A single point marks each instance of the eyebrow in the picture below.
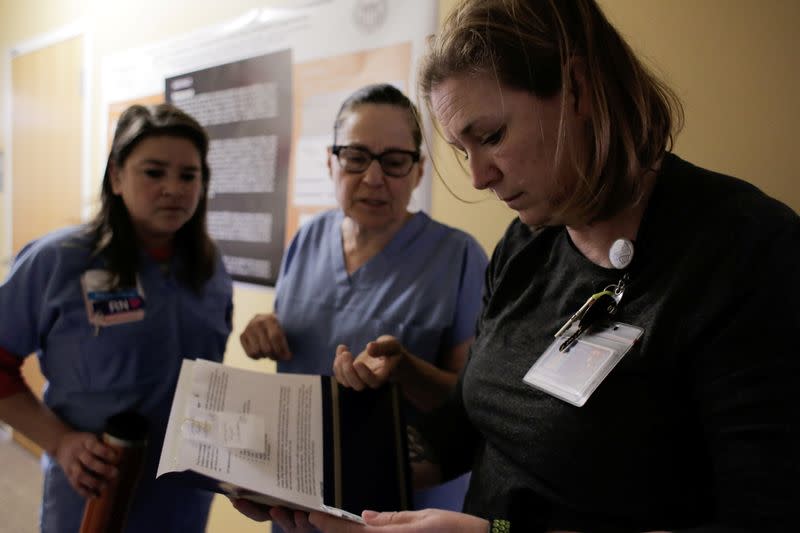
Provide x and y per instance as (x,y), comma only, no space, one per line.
(161,163)
(158,162)
(467,130)
(389,149)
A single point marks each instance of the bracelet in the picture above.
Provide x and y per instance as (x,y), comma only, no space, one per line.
(499,526)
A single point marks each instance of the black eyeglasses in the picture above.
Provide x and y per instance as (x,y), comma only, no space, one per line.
(394,163)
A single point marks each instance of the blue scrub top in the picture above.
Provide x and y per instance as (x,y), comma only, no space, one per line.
(93,374)
(424,288)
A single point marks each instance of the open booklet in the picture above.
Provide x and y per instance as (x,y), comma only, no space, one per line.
(293,440)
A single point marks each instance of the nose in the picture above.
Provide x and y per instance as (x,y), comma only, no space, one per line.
(174,185)
(373,176)
(484,173)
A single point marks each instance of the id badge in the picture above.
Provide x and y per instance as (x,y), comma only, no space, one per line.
(106,306)
(574,374)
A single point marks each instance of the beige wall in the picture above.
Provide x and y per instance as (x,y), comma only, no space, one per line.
(734,63)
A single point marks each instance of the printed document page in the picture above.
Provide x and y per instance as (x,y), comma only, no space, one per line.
(257,432)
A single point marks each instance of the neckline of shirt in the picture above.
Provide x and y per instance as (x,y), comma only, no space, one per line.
(363,276)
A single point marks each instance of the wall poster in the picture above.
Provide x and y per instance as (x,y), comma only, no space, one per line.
(246,108)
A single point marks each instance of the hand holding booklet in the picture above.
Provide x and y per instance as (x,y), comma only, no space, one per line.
(290,440)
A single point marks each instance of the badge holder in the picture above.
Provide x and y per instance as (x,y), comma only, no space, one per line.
(107,305)
(573,373)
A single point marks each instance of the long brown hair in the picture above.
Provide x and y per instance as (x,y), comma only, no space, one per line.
(533,45)
(111,230)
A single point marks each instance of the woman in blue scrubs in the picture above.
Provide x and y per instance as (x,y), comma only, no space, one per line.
(373,278)
(110,309)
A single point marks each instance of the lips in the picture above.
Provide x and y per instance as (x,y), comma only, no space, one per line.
(172,209)
(373,202)
(511,199)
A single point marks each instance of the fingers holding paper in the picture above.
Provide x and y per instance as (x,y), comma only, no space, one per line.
(290,521)
(426,521)
(252,510)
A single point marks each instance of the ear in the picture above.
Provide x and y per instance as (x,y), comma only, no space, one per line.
(114,178)
(582,104)
(328,161)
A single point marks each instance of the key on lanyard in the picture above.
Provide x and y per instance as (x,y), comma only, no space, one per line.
(598,307)
(617,294)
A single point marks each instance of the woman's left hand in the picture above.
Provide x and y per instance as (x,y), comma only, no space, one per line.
(426,521)
(373,367)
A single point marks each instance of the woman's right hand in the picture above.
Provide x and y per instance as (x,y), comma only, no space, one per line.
(87,462)
(287,519)
(425,521)
(264,337)
(252,510)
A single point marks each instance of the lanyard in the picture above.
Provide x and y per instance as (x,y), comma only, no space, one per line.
(600,305)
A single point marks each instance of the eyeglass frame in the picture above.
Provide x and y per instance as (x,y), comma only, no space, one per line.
(415,157)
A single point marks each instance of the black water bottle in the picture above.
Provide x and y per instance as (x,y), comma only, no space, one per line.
(127,434)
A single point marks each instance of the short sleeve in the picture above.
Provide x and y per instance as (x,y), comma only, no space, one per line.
(286,264)
(21,300)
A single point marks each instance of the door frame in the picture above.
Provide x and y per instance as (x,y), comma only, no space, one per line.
(78,28)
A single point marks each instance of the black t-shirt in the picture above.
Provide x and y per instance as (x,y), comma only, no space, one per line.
(696,427)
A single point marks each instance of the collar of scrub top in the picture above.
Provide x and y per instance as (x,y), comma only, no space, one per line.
(161,254)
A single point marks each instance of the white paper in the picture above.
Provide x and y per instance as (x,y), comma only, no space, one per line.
(229,430)
(289,470)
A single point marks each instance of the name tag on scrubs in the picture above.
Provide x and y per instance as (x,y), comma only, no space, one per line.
(106,306)
(573,374)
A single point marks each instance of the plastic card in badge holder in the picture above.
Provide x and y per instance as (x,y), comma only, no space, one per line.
(107,304)
(575,373)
